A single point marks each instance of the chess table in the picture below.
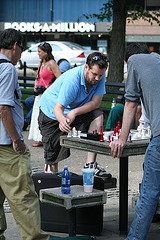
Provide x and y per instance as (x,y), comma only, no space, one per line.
(131,149)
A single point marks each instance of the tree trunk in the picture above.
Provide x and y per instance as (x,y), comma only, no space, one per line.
(117,48)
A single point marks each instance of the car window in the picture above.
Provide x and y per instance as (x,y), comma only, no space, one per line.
(34,49)
(73,46)
(55,47)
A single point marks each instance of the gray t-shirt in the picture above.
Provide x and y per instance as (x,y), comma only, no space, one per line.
(8,84)
(143,82)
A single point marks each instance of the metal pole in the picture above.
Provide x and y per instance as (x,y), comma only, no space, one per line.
(123,195)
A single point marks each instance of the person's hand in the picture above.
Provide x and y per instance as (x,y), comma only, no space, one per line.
(71,115)
(18,146)
(117,148)
(64,124)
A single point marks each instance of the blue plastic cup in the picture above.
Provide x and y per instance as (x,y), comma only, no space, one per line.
(88,179)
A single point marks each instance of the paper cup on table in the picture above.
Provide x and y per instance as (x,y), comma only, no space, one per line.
(88,179)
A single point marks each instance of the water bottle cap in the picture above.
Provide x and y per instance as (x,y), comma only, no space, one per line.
(65,167)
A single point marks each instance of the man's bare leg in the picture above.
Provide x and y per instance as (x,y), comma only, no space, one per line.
(53,168)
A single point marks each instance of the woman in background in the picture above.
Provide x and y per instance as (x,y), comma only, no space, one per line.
(47,72)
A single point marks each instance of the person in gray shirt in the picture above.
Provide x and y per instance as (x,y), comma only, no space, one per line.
(143,82)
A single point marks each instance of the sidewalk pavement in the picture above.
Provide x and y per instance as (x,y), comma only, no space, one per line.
(111,209)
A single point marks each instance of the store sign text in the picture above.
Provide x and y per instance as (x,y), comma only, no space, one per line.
(51,27)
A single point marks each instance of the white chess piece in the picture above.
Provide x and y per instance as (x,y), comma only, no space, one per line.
(116,137)
(69,134)
(79,133)
(139,132)
(149,131)
(74,132)
(143,133)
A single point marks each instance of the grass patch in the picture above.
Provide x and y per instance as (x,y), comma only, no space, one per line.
(108,104)
(24,96)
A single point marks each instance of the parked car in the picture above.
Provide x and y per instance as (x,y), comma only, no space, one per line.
(62,51)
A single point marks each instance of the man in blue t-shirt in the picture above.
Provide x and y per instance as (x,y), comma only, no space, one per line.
(73,100)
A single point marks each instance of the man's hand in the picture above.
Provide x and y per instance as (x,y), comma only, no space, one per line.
(64,124)
(71,115)
(117,148)
(18,146)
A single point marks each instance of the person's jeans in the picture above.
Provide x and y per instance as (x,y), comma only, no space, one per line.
(149,193)
(29,103)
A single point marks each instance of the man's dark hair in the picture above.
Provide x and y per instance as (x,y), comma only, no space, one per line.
(8,37)
(136,48)
(97,58)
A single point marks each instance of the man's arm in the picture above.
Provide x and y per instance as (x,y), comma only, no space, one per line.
(65,121)
(88,107)
(8,122)
(128,118)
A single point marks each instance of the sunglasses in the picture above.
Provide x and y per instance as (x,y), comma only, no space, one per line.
(41,44)
(96,58)
(20,45)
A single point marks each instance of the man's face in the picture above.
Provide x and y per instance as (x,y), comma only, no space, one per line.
(16,54)
(93,75)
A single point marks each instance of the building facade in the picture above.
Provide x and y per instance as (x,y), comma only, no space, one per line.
(41,20)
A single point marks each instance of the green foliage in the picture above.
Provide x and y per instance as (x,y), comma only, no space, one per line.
(140,13)
(136,13)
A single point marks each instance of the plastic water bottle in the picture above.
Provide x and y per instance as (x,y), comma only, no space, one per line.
(113,103)
(65,187)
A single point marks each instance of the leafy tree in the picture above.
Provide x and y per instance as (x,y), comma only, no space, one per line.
(118,9)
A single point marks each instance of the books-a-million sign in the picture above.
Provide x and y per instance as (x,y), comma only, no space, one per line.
(51,27)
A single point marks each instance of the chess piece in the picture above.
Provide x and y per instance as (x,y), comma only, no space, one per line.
(129,139)
(109,139)
(69,134)
(143,133)
(117,130)
(79,133)
(114,134)
(149,131)
(74,132)
(116,137)
(101,134)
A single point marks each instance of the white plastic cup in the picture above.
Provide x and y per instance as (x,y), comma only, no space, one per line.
(88,179)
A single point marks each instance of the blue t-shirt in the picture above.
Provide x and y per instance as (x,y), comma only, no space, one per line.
(8,84)
(70,91)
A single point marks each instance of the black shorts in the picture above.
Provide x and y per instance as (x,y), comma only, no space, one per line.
(53,151)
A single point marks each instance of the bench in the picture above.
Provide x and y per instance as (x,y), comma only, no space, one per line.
(26,84)
(112,88)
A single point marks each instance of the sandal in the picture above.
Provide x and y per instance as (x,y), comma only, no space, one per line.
(38,144)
